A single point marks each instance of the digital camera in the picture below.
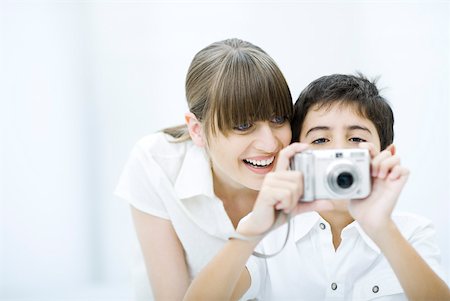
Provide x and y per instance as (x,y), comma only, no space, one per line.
(334,173)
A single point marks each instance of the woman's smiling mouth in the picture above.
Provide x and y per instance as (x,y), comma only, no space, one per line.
(264,163)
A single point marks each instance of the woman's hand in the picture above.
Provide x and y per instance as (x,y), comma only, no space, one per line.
(388,178)
(281,190)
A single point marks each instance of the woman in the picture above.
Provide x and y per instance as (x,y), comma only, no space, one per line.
(189,186)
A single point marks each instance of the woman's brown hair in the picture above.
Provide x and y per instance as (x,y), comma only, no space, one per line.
(232,82)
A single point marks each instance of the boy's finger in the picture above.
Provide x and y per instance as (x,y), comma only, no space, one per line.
(398,172)
(375,164)
(370,147)
(387,165)
(395,173)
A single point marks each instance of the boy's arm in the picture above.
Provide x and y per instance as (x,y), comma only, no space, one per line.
(417,279)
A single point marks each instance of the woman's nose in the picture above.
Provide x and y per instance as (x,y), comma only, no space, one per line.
(266,138)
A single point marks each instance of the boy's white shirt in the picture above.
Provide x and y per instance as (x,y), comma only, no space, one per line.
(174,181)
(309,268)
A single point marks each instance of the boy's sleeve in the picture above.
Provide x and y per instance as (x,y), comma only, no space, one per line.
(423,239)
(138,184)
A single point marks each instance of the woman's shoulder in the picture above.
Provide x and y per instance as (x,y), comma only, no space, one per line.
(158,152)
(161,145)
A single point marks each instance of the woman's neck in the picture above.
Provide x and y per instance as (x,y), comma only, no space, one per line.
(237,201)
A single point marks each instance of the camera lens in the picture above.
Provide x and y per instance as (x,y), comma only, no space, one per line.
(345,180)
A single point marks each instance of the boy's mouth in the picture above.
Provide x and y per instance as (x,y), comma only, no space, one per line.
(259,163)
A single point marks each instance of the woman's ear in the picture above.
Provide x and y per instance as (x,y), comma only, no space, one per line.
(392,149)
(195,129)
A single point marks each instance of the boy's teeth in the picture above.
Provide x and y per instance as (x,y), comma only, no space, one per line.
(260,162)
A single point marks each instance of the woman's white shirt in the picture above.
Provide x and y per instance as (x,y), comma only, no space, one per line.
(174,181)
(309,268)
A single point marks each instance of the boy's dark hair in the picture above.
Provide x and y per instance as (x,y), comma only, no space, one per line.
(355,90)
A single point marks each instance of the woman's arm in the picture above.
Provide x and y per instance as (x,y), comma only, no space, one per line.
(225,277)
(163,254)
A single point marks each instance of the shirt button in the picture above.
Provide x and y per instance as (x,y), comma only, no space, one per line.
(322,226)
(333,286)
(375,289)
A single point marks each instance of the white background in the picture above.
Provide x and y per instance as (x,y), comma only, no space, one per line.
(81,82)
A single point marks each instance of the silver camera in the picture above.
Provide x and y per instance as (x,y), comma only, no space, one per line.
(334,173)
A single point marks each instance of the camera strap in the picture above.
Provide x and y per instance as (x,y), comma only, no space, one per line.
(280,215)
(280,218)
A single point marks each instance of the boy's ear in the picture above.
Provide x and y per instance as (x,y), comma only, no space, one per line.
(392,149)
(195,129)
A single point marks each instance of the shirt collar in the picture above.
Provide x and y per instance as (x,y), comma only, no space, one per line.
(305,222)
(194,188)
(194,177)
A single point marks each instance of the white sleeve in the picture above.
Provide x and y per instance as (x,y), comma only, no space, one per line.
(258,272)
(423,239)
(138,184)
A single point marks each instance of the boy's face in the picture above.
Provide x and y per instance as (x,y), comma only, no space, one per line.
(338,126)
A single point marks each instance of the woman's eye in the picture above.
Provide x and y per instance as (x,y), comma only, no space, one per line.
(243,126)
(357,139)
(320,141)
(278,119)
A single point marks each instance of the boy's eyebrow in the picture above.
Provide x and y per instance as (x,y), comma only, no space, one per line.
(326,128)
(317,128)
(359,127)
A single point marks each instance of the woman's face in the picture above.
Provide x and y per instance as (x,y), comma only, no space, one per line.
(247,153)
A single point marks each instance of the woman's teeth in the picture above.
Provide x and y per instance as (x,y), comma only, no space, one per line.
(259,163)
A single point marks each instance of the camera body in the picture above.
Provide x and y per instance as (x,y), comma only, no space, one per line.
(334,173)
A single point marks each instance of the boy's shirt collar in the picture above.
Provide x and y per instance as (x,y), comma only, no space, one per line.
(306,222)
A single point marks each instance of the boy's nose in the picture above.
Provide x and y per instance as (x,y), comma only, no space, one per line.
(340,144)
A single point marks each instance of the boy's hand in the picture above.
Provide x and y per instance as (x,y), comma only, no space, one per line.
(280,190)
(388,178)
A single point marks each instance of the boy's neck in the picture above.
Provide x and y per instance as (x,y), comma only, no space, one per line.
(338,220)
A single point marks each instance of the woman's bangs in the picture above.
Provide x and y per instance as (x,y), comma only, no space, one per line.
(251,94)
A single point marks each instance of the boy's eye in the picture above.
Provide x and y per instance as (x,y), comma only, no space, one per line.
(243,126)
(357,139)
(278,119)
(320,141)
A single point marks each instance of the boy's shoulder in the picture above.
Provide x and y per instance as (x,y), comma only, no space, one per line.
(410,224)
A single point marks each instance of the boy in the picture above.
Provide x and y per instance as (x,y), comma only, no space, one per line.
(357,250)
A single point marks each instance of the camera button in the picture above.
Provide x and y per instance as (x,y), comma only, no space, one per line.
(322,226)
(334,286)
